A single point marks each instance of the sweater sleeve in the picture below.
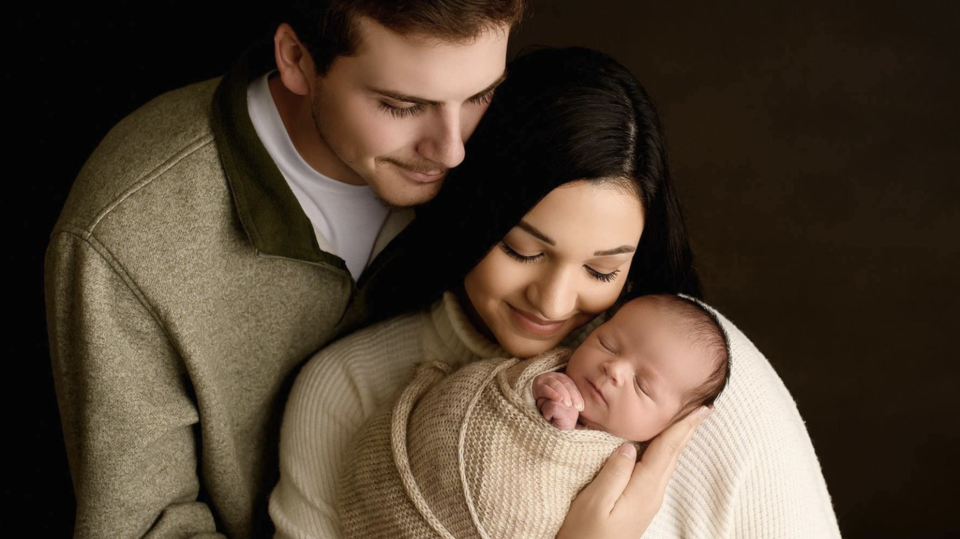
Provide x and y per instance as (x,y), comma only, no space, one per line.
(778,490)
(125,402)
(750,471)
(334,394)
(782,493)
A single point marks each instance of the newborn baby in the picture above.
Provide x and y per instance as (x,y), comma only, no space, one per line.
(467,454)
(657,360)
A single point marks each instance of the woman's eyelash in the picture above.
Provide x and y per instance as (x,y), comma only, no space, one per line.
(603,277)
(517,256)
(400,112)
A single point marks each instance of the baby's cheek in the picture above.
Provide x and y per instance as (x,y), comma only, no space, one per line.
(587,417)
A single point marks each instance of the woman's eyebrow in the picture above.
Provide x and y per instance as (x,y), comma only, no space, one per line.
(616,251)
(530,229)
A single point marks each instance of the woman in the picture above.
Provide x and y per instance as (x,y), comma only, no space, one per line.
(563,207)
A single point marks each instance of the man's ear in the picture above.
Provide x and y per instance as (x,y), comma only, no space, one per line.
(293,60)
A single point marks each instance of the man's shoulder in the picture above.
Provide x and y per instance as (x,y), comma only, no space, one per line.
(152,143)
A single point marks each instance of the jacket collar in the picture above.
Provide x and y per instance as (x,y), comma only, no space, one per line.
(269,211)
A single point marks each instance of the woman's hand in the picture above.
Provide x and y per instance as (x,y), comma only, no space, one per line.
(625,496)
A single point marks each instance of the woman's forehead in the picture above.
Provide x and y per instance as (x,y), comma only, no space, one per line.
(597,215)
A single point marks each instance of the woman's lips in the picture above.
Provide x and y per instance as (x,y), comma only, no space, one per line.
(535,325)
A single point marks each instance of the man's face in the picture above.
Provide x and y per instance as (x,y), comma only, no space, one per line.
(395,116)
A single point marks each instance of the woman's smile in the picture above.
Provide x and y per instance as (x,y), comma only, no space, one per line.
(535,325)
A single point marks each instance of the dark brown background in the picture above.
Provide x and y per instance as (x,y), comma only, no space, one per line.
(814,145)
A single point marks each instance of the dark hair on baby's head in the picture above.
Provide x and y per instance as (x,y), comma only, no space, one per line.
(706,332)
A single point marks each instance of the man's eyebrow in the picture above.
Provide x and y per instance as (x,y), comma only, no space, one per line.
(421,101)
(530,229)
(403,97)
(492,87)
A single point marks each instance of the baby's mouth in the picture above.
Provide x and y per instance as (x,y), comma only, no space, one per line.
(596,392)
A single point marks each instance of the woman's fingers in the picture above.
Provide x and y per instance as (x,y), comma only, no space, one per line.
(660,459)
(625,496)
(614,477)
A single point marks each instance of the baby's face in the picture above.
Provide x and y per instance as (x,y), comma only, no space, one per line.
(634,370)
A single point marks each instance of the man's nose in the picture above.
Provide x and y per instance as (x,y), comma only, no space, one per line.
(554,294)
(443,143)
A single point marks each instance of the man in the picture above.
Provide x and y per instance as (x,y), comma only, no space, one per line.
(225,231)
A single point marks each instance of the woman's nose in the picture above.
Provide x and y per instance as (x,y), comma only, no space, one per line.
(554,294)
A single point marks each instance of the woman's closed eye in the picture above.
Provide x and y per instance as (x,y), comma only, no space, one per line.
(603,277)
(520,257)
(512,253)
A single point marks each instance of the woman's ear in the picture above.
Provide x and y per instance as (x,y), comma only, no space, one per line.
(293,60)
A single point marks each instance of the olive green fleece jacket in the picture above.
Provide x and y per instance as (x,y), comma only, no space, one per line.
(184,287)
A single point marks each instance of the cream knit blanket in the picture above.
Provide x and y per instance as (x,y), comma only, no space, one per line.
(467,455)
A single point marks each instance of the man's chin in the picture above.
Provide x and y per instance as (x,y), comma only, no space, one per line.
(409,195)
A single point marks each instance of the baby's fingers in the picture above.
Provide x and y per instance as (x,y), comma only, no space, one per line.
(558,391)
(560,416)
(548,386)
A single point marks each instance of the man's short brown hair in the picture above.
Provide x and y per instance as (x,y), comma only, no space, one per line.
(328,28)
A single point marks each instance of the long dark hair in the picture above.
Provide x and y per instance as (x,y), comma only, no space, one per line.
(562,115)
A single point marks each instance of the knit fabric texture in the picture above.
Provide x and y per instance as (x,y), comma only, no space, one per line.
(467,454)
(180,305)
(749,472)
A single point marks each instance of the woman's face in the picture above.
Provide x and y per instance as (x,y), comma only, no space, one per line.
(563,264)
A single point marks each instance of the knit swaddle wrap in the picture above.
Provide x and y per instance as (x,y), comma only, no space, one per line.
(468,455)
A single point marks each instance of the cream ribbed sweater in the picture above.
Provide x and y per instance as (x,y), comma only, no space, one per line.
(749,472)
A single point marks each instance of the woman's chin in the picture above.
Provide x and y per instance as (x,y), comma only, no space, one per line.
(525,347)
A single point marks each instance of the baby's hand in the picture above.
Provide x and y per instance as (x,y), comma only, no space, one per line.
(558,399)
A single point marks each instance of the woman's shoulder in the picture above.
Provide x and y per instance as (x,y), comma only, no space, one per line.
(752,460)
(754,383)
(756,412)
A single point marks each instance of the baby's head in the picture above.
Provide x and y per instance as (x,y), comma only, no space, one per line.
(658,359)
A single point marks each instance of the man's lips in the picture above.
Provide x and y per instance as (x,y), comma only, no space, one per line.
(424,177)
(535,325)
(420,174)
